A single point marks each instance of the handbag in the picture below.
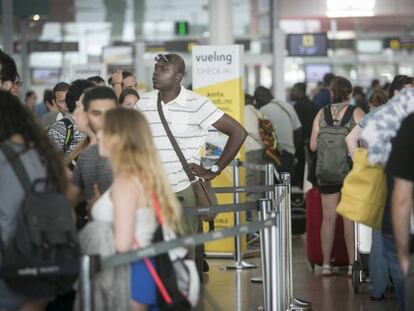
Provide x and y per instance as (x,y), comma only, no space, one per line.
(176,279)
(202,188)
(364,192)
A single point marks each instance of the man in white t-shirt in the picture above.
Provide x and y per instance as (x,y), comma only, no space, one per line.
(189,116)
(287,126)
(254,148)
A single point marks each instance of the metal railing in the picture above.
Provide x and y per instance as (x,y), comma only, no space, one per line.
(274,226)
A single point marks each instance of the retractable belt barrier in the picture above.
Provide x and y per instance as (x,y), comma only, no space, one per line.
(242,189)
(196,239)
(274,227)
(253,166)
(185,241)
(228,208)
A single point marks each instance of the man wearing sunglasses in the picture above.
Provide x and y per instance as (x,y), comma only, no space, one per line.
(8,72)
(189,116)
(17,86)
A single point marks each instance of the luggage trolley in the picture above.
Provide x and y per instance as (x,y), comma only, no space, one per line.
(363,239)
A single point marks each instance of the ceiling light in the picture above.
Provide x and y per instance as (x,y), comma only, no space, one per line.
(36,17)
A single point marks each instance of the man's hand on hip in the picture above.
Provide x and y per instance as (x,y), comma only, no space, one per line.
(200,171)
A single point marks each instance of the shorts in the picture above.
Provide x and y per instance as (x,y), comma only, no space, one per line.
(143,287)
(329,189)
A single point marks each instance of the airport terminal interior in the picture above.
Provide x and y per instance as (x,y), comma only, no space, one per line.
(281,102)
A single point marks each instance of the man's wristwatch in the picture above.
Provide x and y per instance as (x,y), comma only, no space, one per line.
(215,169)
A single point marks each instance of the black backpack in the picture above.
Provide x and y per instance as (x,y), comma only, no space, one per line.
(42,257)
(174,274)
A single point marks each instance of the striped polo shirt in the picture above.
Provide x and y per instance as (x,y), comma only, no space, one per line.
(189,116)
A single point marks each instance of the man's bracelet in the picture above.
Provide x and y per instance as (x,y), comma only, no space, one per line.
(116,83)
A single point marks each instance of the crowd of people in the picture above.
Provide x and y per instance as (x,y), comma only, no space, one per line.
(379,120)
(104,148)
(107,149)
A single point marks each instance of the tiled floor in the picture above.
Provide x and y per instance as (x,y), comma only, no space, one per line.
(232,290)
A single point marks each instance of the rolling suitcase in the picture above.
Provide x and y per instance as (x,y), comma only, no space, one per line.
(360,267)
(298,211)
(339,255)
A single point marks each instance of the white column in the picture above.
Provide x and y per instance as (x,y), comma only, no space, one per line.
(7,32)
(140,63)
(278,54)
(25,53)
(221,22)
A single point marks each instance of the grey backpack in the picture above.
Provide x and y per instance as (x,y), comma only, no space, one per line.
(42,257)
(333,162)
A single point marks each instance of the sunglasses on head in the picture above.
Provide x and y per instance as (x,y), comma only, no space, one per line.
(167,59)
(162,57)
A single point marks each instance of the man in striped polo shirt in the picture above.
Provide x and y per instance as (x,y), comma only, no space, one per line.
(189,116)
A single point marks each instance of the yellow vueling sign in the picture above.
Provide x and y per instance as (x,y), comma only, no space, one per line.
(218,75)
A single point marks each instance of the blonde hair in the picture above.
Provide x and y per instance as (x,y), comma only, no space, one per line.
(134,154)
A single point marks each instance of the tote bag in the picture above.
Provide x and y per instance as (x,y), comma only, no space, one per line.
(364,192)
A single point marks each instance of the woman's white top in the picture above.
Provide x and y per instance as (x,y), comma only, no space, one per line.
(145,219)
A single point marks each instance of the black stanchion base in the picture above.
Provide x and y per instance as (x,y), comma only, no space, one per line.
(242,265)
(297,304)
(258,279)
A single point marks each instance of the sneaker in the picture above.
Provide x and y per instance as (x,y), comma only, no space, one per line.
(326,270)
(377,298)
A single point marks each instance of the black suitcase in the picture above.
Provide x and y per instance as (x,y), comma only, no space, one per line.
(298,211)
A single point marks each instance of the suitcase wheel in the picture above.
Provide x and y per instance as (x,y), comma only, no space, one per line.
(356,277)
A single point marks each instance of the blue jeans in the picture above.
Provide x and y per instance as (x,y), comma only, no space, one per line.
(378,268)
(395,270)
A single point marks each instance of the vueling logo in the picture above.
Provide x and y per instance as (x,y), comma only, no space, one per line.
(227,58)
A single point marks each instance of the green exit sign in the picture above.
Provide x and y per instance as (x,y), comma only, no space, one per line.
(182,28)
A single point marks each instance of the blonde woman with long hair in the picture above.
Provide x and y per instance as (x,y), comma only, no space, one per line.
(138,178)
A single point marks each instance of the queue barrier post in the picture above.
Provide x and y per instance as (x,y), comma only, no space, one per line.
(88,266)
(291,302)
(264,207)
(239,264)
(269,180)
(280,241)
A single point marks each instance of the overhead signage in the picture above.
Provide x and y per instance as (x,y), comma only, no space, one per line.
(308,44)
(88,70)
(182,28)
(47,46)
(399,43)
(118,55)
(370,46)
(45,76)
(316,72)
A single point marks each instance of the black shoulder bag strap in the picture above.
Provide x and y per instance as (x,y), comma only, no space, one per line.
(347,115)
(328,115)
(174,143)
(13,158)
(69,133)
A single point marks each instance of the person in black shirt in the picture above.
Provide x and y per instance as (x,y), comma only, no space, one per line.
(306,111)
(401,166)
